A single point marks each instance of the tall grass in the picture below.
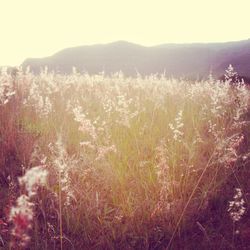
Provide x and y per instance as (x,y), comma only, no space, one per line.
(133,163)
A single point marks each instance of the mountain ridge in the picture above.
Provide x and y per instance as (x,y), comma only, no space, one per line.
(190,59)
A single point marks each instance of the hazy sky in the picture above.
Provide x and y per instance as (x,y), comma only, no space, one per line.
(37,28)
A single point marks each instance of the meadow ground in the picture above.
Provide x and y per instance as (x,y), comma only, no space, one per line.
(111,162)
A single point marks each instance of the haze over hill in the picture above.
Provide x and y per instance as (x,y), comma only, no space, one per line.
(192,60)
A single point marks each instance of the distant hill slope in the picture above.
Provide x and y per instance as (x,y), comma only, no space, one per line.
(191,60)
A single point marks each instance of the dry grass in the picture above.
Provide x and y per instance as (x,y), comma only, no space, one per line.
(133,163)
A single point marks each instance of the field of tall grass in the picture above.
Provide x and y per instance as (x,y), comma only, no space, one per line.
(112,162)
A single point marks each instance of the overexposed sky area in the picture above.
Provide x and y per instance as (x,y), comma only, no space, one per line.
(38,28)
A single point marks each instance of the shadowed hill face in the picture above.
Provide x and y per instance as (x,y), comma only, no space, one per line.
(194,60)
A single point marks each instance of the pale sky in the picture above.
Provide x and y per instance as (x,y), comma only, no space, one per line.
(38,28)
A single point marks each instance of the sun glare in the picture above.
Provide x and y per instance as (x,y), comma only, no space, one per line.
(41,28)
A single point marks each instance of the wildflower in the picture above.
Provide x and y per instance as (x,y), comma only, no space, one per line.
(231,75)
(236,206)
(33,178)
(38,99)
(212,128)
(22,214)
(177,128)
(86,125)
(231,155)
(123,109)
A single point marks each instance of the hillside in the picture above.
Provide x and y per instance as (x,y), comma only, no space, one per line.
(194,60)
